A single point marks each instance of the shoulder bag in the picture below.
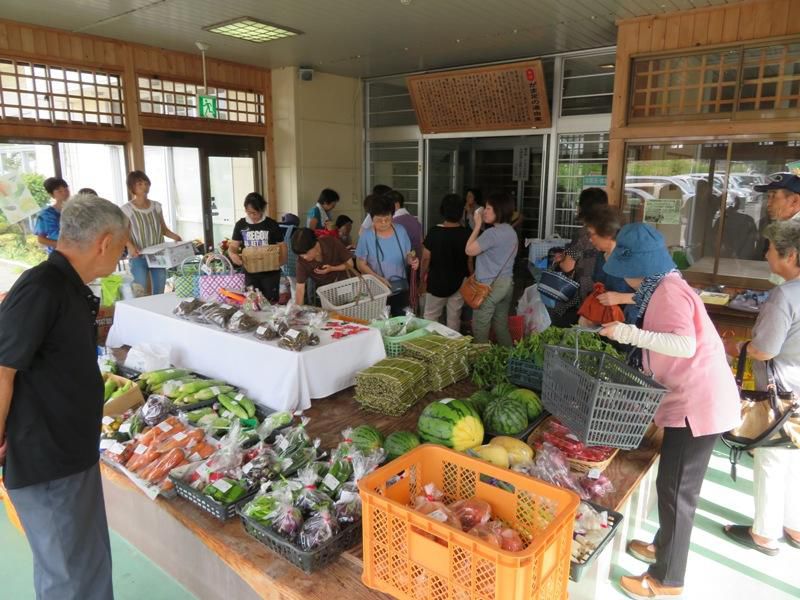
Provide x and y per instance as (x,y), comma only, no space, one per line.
(474,292)
(769,418)
(397,284)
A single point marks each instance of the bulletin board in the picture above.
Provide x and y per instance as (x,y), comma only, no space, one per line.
(508,96)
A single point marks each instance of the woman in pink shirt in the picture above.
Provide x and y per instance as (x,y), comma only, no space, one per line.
(684,352)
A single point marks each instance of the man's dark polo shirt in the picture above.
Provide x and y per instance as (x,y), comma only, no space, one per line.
(47,333)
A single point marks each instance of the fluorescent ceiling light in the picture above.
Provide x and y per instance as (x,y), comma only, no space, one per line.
(607,66)
(252,30)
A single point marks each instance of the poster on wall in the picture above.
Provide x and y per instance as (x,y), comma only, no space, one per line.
(16,200)
(662,212)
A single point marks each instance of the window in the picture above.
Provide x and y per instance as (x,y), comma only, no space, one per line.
(179,99)
(100,167)
(588,85)
(389,103)
(396,164)
(771,78)
(582,163)
(176,177)
(39,92)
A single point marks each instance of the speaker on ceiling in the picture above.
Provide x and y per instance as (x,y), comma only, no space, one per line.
(305,73)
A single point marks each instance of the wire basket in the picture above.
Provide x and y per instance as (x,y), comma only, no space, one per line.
(360,297)
(258,259)
(525,373)
(600,399)
(221,511)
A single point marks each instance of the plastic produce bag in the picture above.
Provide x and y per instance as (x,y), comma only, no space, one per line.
(241,322)
(273,422)
(311,499)
(533,311)
(156,409)
(187,307)
(431,504)
(471,512)
(148,357)
(287,520)
(318,530)
(348,506)
(551,465)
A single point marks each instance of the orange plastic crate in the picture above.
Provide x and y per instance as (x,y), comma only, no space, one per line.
(411,556)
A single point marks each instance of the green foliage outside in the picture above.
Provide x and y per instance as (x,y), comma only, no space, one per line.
(15,243)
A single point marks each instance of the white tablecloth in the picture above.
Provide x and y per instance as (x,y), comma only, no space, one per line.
(276,378)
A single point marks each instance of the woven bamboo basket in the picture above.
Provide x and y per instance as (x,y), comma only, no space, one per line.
(257,259)
(577,465)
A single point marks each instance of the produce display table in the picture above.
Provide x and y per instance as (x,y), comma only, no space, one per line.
(276,378)
(216,560)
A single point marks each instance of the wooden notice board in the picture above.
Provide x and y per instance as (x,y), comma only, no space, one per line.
(508,96)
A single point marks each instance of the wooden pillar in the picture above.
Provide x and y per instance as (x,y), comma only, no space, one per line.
(134,147)
(269,150)
(627,40)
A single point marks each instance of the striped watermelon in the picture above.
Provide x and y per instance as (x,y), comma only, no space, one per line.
(400,442)
(366,438)
(480,399)
(506,416)
(450,422)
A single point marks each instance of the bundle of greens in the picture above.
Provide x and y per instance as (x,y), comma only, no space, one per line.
(391,386)
(532,347)
(447,359)
(491,367)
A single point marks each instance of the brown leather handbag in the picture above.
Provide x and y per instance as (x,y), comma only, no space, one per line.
(474,292)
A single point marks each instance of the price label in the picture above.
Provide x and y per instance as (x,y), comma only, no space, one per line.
(106,444)
(572,436)
(247,468)
(164,426)
(330,482)
(140,449)
(292,333)
(107,420)
(593,474)
(125,428)
(262,330)
(438,515)
(194,457)
(181,435)
(238,397)
(222,485)
(203,471)
(283,444)
(346,497)
(117,448)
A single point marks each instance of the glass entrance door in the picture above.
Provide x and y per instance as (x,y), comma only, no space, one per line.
(230,179)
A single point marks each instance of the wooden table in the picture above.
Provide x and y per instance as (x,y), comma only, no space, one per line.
(216,560)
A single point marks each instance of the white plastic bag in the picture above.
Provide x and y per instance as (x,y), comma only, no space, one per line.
(533,311)
(148,357)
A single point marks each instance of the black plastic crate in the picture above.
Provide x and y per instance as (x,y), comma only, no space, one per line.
(525,373)
(576,569)
(311,561)
(522,435)
(223,512)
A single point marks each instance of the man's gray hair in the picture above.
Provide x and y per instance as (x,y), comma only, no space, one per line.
(785,236)
(85,218)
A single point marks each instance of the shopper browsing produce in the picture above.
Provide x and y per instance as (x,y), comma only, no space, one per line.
(147,229)
(256,230)
(319,215)
(324,260)
(444,264)
(776,338)
(51,403)
(48,220)
(685,354)
(385,252)
(494,250)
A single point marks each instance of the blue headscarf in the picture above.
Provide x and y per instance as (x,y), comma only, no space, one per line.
(645,292)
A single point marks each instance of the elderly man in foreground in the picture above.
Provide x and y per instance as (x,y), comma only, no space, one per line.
(51,404)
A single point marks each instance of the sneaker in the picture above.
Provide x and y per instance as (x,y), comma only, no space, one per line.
(647,588)
(644,551)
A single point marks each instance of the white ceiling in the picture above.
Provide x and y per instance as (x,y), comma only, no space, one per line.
(360,38)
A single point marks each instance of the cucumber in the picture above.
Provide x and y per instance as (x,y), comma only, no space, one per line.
(109,388)
(195,415)
(233,406)
(246,404)
(195,386)
(212,392)
(120,391)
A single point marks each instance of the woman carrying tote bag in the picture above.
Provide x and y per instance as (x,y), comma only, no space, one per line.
(494,250)
(776,339)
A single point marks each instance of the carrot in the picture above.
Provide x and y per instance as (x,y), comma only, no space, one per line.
(181,439)
(141,460)
(201,451)
(161,468)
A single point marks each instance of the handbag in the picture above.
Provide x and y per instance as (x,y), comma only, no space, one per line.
(185,283)
(769,418)
(474,292)
(558,286)
(214,277)
(596,312)
(397,285)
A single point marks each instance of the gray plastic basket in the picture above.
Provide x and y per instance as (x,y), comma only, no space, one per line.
(524,373)
(602,400)
(360,298)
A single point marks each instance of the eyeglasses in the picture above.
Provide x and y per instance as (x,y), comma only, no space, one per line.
(382,220)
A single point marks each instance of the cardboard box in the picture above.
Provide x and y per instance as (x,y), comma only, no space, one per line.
(104,320)
(168,254)
(129,399)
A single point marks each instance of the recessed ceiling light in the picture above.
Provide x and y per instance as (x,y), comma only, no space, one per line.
(252,30)
(607,66)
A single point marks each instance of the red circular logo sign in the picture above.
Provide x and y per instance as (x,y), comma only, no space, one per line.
(529,74)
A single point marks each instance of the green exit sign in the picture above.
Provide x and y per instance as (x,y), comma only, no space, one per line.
(207,106)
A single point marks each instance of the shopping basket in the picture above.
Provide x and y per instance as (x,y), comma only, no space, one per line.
(414,556)
(600,399)
(361,297)
(394,344)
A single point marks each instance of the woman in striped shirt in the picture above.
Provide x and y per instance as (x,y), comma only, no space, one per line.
(147,229)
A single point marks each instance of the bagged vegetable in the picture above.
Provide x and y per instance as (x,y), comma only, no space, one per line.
(488,532)
(471,512)
(241,322)
(348,506)
(261,508)
(287,520)
(430,503)
(219,315)
(156,409)
(318,530)
(310,499)
(551,465)
(273,422)
(340,472)
(226,490)
(187,307)
(596,487)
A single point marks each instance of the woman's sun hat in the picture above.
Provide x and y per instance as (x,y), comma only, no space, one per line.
(640,252)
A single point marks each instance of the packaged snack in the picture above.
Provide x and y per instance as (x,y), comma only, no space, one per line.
(187,307)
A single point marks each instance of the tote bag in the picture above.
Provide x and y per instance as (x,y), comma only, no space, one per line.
(216,272)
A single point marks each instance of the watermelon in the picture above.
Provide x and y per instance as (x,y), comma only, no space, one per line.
(506,416)
(531,399)
(452,423)
(480,399)
(400,442)
(501,390)
(366,438)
